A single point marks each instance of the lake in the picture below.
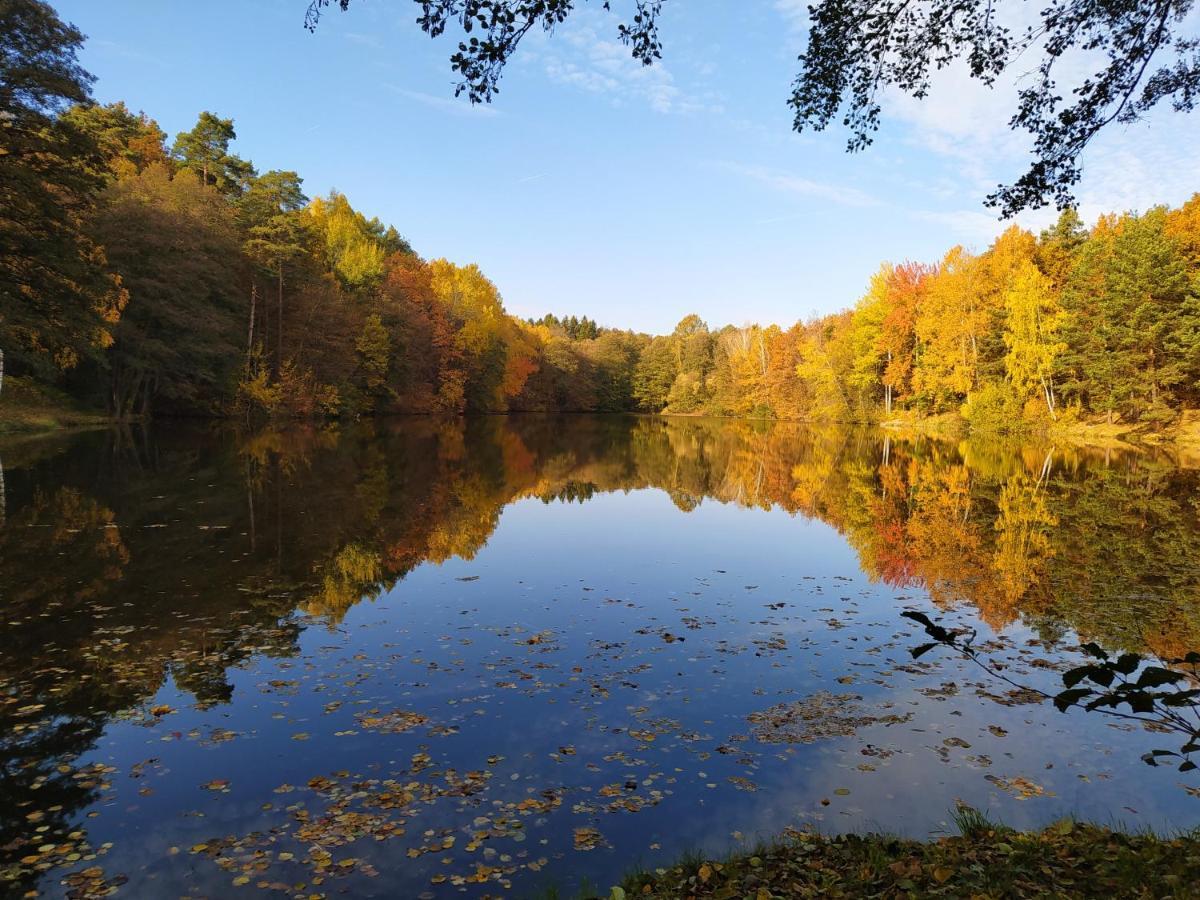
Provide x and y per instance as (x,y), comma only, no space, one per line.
(498,655)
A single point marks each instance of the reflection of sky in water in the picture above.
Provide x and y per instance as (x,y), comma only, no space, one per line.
(648,620)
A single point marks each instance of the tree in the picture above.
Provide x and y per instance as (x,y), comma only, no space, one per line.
(948,327)
(1031,332)
(374,352)
(58,299)
(825,361)
(692,344)
(858,49)
(1057,247)
(355,247)
(656,370)
(276,235)
(474,305)
(866,333)
(897,338)
(1133,331)
(174,242)
(127,143)
(205,151)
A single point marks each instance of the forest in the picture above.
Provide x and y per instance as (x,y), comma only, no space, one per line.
(146,275)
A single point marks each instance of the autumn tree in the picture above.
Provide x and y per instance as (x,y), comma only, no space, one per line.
(1032,326)
(655,373)
(948,326)
(866,338)
(692,344)
(127,142)
(825,363)
(59,300)
(276,237)
(175,244)
(474,305)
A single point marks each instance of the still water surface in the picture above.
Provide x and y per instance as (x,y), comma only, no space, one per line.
(429,658)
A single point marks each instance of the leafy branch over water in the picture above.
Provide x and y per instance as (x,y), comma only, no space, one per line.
(1151,692)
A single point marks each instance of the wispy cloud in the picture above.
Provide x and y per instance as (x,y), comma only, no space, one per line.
(126,52)
(795,17)
(595,61)
(787,183)
(964,125)
(367,40)
(973,228)
(446,104)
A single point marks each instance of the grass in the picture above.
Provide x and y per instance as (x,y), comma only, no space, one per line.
(985,860)
(28,408)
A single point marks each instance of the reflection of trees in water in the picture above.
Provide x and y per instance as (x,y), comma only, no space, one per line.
(128,557)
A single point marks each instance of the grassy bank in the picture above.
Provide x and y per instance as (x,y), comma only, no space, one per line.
(29,408)
(987,861)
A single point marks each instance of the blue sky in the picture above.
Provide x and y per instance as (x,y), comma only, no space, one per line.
(593,185)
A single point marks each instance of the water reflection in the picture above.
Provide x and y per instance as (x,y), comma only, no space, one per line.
(156,568)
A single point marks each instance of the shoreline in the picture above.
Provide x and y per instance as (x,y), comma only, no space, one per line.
(986,859)
(31,410)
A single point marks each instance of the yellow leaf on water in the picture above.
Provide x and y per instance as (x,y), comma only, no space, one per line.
(942,874)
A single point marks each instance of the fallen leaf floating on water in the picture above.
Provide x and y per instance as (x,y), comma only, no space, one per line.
(588,839)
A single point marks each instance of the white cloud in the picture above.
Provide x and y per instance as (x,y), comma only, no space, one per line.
(367,40)
(787,183)
(795,15)
(976,229)
(965,124)
(445,104)
(597,62)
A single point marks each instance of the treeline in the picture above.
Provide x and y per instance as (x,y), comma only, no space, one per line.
(155,276)
(1072,322)
(158,278)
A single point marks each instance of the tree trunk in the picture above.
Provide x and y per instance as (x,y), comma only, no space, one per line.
(1,370)
(279,349)
(250,334)
(1047,468)
(147,392)
(887,388)
(250,500)
(1049,395)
